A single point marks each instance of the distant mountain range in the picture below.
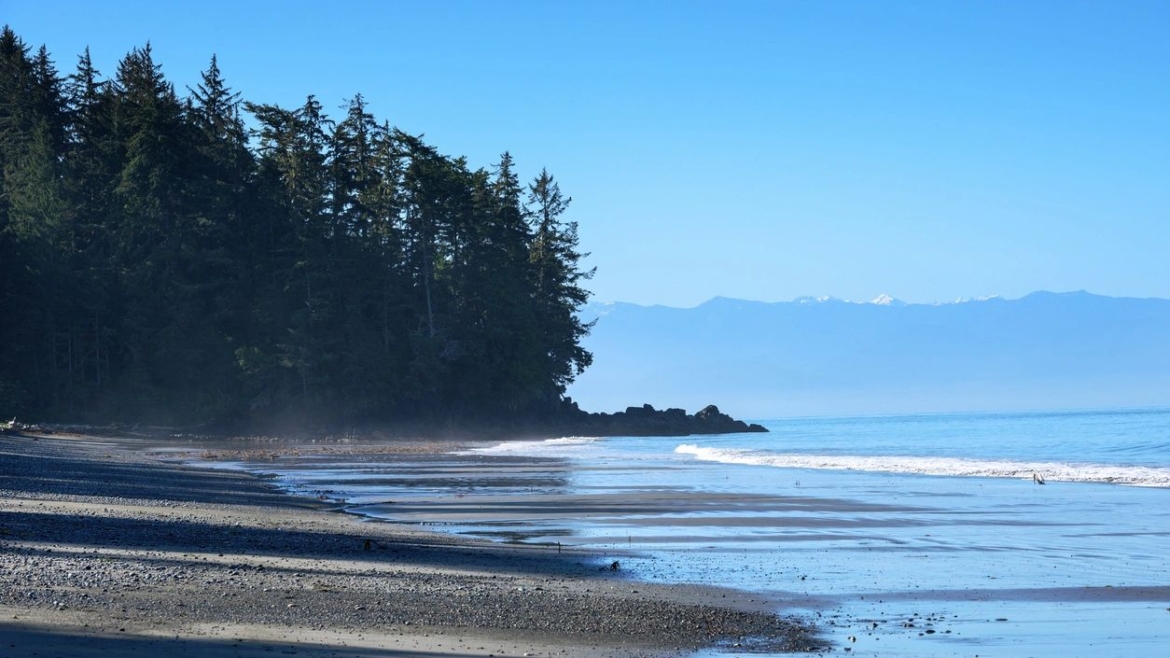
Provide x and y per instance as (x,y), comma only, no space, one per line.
(817,356)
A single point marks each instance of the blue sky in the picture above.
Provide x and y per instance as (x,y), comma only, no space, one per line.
(761,150)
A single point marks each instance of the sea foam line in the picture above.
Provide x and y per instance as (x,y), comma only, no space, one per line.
(1143,476)
(534,448)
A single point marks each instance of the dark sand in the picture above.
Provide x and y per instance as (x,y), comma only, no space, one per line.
(106,551)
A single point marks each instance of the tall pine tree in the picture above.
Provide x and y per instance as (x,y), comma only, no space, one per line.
(559,292)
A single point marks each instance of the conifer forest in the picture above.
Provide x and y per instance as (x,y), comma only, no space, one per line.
(191,257)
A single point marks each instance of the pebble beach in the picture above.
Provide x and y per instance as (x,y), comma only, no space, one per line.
(106,549)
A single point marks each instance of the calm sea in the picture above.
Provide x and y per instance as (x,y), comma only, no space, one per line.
(924,535)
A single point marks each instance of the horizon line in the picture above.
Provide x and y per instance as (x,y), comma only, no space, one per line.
(884,299)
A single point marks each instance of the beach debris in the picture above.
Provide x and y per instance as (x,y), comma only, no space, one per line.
(1037,478)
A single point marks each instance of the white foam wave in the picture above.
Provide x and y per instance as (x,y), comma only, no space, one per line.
(1144,476)
(546,447)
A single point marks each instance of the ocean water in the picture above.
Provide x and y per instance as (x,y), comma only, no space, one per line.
(926,535)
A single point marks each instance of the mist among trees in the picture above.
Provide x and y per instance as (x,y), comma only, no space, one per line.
(163,260)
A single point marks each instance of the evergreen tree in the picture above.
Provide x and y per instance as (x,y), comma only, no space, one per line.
(388,304)
(93,162)
(293,152)
(354,169)
(497,289)
(158,245)
(17,287)
(370,295)
(222,285)
(32,211)
(559,292)
(423,223)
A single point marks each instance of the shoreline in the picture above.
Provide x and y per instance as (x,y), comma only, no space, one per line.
(109,551)
(886,564)
(568,420)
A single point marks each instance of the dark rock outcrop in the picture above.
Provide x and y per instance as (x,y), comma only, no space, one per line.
(648,421)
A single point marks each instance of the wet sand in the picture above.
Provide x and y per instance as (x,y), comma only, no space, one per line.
(886,565)
(105,550)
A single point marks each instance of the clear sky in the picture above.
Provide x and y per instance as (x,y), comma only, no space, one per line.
(762,150)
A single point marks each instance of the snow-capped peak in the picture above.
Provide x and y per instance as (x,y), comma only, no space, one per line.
(886,300)
(984,298)
(815,300)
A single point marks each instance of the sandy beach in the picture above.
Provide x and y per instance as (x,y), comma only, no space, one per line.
(105,550)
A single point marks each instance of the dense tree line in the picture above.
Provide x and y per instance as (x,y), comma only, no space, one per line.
(163,260)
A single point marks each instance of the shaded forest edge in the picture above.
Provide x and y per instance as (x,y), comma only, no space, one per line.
(634,421)
(205,261)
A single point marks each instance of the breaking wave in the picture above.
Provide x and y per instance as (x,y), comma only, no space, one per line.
(548,447)
(1141,476)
